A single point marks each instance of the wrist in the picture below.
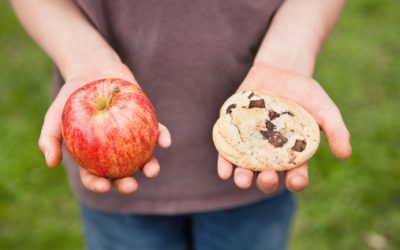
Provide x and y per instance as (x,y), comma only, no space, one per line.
(81,72)
(297,59)
(100,60)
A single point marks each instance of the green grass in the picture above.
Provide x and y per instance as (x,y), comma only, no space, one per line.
(359,67)
(37,210)
(346,201)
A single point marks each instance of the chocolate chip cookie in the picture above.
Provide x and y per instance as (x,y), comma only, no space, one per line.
(258,131)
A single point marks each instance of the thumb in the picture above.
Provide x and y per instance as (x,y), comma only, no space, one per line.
(164,136)
(336,132)
(50,136)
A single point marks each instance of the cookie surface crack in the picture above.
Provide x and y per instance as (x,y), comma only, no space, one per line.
(237,128)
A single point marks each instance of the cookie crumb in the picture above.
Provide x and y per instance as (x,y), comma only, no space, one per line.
(251,95)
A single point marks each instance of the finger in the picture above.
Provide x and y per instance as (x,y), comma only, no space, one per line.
(243,178)
(296,179)
(93,182)
(225,168)
(152,168)
(126,185)
(331,121)
(337,135)
(50,137)
(164,137)
(267,181)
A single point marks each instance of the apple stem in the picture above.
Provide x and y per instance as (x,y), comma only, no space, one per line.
(113,93)
(103,102)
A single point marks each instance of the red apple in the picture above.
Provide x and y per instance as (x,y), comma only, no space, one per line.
(110,127)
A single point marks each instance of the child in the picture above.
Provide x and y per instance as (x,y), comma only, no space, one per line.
(188,56)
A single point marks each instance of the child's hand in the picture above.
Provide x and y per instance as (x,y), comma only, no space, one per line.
(308,93)
(50,137)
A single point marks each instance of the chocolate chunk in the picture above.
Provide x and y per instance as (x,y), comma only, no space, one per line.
(272,115)
(299,145)
(251,95)
(287,113)
(275,138)
(270,125)
(267,134)
(257,104)
(230,107)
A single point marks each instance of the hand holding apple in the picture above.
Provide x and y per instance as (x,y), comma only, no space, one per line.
(110,127)
(51,134)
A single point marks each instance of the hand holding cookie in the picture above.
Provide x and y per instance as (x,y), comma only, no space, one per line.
(265,127)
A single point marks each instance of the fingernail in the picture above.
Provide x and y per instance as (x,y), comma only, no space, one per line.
(99,187)
(46,155)
(299,182)
(127,186)
(223,175)
(153,169)
(242,182)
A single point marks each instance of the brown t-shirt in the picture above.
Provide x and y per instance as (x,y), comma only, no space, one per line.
(188,56)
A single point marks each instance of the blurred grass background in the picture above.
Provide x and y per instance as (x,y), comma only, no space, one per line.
(353,204)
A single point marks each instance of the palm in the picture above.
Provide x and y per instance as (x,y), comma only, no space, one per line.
(50,138)
(309,94)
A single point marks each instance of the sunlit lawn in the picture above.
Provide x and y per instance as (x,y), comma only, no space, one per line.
(348,203)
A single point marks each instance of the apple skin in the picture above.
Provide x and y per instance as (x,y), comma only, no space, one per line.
(110,127)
